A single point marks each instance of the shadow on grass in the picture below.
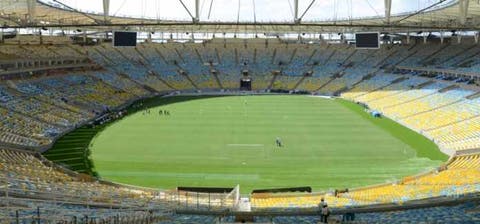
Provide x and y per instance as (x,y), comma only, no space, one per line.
(422,145)
(72,150)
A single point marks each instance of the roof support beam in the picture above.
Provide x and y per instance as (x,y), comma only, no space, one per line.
(188,11)
(295,11)
(388,10)
(197,11)
(306,10)
(106,10)
(421,11)
(31,7)
(463,7)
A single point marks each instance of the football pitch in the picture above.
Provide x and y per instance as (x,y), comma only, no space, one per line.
(224,141)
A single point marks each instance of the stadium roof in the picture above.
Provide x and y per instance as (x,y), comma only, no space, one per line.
(435,15)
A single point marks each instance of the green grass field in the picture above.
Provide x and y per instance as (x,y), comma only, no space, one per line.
(224,141)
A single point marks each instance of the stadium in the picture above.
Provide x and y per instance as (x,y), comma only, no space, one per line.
(262,111)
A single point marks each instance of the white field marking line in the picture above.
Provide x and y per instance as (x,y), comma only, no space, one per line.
(320,96)
(245,145)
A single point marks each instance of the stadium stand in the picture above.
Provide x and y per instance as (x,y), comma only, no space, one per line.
(464,213)
(66,74)
(459,177)
(38,109)
(29,182)
(129,73)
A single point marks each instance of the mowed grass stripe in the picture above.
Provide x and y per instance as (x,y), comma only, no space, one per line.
(328,144)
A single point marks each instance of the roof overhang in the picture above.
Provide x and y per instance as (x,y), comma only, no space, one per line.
(14,14)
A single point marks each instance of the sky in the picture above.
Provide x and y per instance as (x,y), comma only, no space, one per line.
(243,10)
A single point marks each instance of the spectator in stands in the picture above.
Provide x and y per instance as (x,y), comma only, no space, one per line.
(349,216)
(321,206)
(324,214)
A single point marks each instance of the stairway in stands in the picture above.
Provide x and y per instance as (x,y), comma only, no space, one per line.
(473,96)
(400,79)
(146,87)
(299,82)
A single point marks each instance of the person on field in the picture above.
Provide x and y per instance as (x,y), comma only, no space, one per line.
(278,142)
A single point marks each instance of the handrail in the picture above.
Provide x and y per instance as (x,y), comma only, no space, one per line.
(5,61)
(441,71)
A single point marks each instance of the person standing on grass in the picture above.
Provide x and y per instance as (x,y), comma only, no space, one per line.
(278,142)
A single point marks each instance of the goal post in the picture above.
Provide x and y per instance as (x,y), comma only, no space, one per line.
(233,198)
